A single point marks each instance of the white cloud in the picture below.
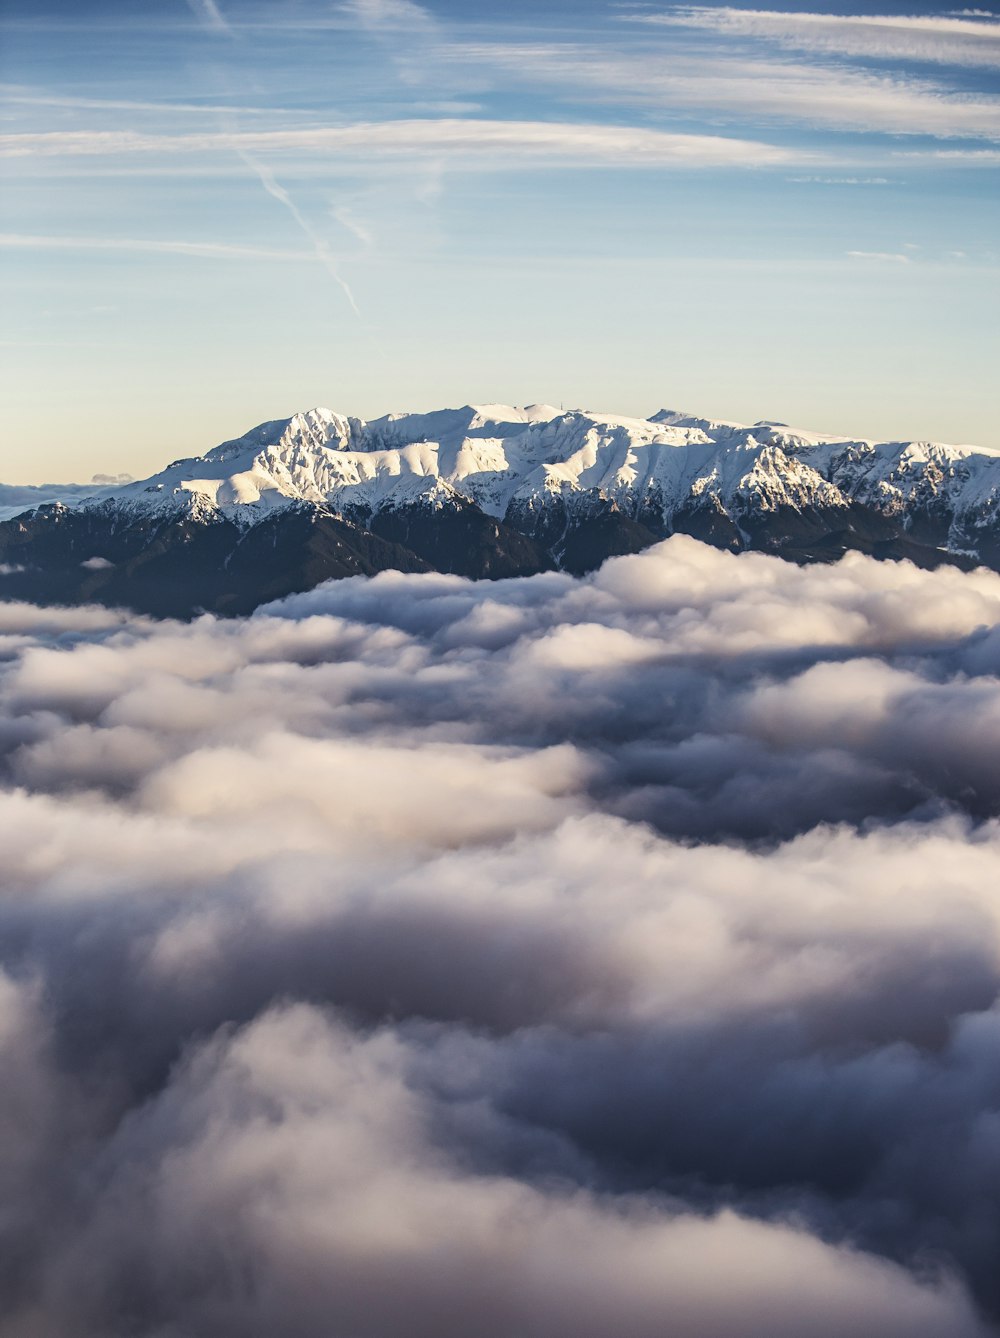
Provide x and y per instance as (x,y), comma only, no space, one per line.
(209,15)
(892,257)
(23,95)
(409,34)
(944,40)
(386,15)
(754,92)
(201,250)
(957,157)
(474,142)
(840,181)
(552,955)
(299,1154)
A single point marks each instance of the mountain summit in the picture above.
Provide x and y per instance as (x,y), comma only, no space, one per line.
(485,491)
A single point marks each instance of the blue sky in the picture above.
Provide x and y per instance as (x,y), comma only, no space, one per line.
(220,211)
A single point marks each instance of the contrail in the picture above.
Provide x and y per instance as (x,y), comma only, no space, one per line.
(342,215)
(209,14)
(319,245)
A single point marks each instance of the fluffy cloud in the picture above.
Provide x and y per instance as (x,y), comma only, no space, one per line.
(546,955)
(288,1177)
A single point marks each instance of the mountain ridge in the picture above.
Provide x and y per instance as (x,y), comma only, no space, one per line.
(486,491)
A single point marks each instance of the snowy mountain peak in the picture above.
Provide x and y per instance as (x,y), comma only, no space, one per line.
(510,461)
(486,490)
(496,488)
(497,456)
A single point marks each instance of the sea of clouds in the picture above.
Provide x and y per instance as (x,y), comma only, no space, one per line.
(546,957)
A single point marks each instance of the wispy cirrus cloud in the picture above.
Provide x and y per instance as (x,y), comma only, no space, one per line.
(202,250)
(24,96)
(475,142)
(410,37)
(960,157)
(838,181)
(384,15)
(750,91)
(882,257)
(941,40)
(207,13)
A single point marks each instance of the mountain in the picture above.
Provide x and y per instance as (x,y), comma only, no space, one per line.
(485,491)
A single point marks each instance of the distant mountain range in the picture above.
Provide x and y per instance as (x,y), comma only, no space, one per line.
(485,491)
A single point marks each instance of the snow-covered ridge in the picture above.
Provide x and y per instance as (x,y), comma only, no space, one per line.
(507,460)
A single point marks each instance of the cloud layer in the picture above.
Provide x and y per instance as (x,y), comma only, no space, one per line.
(539,956)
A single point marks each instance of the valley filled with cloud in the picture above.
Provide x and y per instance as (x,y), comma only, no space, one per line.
(542,956)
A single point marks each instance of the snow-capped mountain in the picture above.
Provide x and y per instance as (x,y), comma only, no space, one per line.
(487,490)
